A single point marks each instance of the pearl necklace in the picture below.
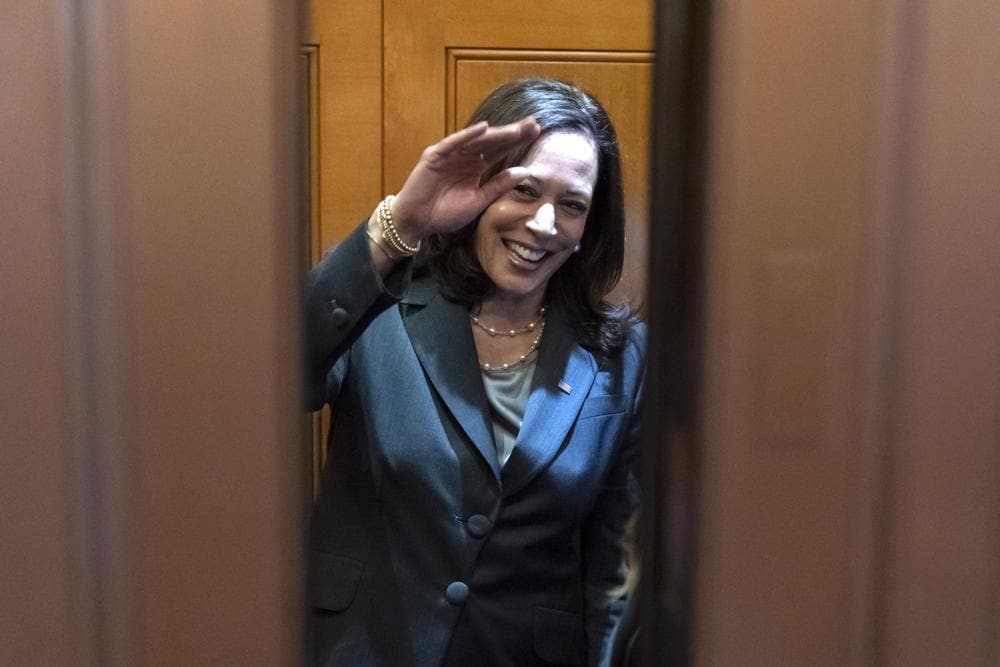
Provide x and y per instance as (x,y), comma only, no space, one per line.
(530,326)
(514,364)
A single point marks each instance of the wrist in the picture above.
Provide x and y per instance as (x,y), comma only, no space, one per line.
(404,247)
(403,221)
(374,232)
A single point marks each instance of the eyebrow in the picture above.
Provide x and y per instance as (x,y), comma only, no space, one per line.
(572,191)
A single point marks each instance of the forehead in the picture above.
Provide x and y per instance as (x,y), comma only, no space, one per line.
(570,156)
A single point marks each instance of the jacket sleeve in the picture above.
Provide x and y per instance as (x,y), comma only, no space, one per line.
(603,532)
(343,294)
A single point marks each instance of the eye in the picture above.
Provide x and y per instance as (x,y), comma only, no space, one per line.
(525,191)
(575,207)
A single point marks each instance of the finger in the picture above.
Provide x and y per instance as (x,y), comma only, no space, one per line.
(501,136)
(502,140)
(528,129)
(456,140)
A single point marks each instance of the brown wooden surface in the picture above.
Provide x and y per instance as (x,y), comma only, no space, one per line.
(441,60)
(418,35)
(348,39)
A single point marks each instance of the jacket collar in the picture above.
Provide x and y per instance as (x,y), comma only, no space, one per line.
(442,338)
(563,377)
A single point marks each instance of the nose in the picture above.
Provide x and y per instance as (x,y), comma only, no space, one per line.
(544,221)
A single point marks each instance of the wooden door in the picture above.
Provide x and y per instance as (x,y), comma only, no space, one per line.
(388,79)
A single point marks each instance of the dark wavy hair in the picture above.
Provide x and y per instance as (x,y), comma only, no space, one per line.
(581,285)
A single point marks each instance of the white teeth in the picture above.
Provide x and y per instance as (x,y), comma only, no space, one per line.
(526,253)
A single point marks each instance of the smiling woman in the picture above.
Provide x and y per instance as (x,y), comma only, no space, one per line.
(485,393)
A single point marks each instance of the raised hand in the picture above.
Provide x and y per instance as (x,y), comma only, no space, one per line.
(443,192)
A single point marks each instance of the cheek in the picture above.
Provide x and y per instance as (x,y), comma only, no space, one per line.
(499,211)
(485,239)
(477,244)
(488,222)
(574,231)
(560,259)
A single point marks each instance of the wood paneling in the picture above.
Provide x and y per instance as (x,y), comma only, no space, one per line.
(348,36)
(418,36)
(319,422)
(312,248)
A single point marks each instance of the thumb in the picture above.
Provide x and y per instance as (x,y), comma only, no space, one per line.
(502,182)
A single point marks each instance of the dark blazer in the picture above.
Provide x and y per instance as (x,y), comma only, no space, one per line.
(424,550)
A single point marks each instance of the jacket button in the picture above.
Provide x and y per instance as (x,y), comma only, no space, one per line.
(478,525)
(339,317)
(457,593)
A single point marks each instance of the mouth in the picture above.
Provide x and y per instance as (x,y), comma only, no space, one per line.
(524,253)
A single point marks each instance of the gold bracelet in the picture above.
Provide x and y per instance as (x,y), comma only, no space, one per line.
(389,232)
(385,251)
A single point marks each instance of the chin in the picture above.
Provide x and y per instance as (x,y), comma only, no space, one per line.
(517,289)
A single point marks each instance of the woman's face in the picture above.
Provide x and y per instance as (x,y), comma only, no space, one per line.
(528,233)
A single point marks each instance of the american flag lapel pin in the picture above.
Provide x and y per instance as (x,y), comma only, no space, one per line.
(564,386)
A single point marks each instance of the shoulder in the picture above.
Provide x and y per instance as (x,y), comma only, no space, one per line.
(631,360)
(637,337)
(623,371)
(423,289)
(633,352)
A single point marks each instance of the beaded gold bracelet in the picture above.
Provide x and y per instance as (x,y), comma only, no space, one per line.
(389,232)
(374,232)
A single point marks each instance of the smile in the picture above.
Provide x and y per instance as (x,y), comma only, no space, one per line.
(524,252)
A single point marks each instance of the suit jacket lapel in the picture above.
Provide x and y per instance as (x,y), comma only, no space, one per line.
(563,377)
(442,339)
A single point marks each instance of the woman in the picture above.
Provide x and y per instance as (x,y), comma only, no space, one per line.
(484,399)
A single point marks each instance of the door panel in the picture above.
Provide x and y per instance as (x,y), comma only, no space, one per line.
(346,42)
(419,34)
